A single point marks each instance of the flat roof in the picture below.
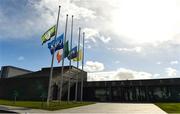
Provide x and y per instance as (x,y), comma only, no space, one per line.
(17,68)
(45,72)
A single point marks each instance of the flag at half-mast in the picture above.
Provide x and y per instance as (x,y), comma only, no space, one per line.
(73,53)
(56,44)
(79,56)
(48,34)
(66,49)
(59,56)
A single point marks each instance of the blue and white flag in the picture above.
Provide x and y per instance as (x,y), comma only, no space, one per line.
(57,44)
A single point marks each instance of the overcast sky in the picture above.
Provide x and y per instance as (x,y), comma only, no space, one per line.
(125,39)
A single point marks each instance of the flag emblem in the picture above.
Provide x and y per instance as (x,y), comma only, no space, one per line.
(57,44)
(48,34)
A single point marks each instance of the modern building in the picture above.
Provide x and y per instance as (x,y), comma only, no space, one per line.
(34,85)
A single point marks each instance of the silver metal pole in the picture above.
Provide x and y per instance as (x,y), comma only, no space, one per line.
(52,62)
(82,74)
(76,89)
(69,84)
(62,69)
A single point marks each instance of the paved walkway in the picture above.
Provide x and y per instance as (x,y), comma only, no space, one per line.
(117,108)
(21,110)
(99,108)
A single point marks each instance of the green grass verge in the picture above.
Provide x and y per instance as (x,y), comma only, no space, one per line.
(169,107)
(40,105)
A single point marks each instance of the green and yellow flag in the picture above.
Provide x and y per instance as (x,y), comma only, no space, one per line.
(79,56)
(48,34)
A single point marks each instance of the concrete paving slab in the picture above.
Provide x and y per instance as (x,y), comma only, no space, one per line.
(117,108)
(98,108)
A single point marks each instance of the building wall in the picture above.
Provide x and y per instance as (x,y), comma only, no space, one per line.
(27,89)
(8,71)
(34,85)
(133,94)
(14,72)
(4,72)
(133,91)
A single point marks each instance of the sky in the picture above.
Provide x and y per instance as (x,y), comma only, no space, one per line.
(124,39)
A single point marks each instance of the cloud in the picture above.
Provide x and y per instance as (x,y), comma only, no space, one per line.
(93,66)
(100,76)
(94,35)
(174,62)
(135,22)
(138,22)
(117,62)
(90,34)
(158,63)
(171,72)
(20,58)
(36,16)
(88,46)
(128,20)
(105,40)
(119,74)
(123,73)
(156,75)
(134,49)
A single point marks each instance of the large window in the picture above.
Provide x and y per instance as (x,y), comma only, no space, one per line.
(101,94)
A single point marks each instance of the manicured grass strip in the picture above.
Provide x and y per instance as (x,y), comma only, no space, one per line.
(40,105)
(169,107)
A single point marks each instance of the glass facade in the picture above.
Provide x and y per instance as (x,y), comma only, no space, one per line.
(135,92)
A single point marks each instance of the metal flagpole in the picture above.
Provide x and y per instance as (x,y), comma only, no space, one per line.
(52,62)
(82,75)
(69,83)
(62,69)
(76,89)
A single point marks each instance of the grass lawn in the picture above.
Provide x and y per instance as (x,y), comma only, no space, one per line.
(40,105)
(169,107)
